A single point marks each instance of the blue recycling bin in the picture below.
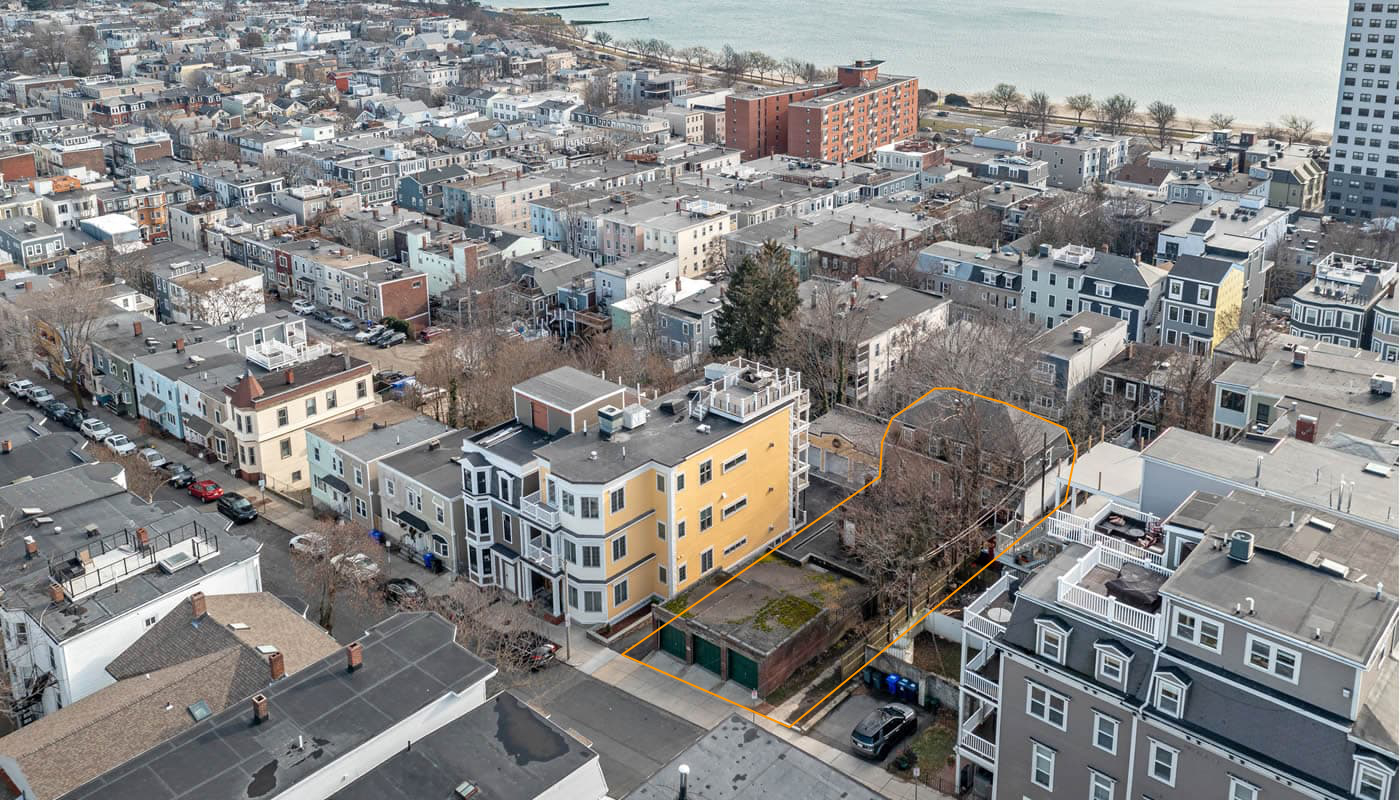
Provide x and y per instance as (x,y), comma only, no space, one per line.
(908,690)
(428,561)
(892,684)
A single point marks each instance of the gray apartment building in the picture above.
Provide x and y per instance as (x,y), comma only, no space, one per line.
(972,275)
(421,492)
(1241,647)
(687,327)
(1339,304)
(1079,160)
(1067,356)
(343,457)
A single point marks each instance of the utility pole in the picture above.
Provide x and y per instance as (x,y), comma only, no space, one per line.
(564,601)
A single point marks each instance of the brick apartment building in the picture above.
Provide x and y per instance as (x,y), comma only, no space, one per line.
(840,121)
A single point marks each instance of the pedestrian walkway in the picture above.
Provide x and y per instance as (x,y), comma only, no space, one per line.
(695,706)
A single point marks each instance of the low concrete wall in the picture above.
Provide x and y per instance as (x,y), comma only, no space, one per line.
(938,687)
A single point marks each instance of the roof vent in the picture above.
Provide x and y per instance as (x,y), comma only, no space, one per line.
(464,790)
(1382,385)
(1242,546)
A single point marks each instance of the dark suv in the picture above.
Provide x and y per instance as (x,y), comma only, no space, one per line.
(882,729)
(237,507)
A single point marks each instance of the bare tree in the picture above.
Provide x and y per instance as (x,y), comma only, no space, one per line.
(1003,96)
(875,245)
(64,320)
(1162,116)
(1038,110)
(602,38)
(1220,121)
(1298,128)
(1254,337)
(141,479)
(325,566)
(215,301)
(1116,113)
(355,234)
(822,340)
(495,626)
(49,45)
(1080,104)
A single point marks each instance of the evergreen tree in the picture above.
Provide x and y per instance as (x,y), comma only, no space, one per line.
(762,295)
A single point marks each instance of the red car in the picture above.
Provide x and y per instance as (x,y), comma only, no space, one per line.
(206,491)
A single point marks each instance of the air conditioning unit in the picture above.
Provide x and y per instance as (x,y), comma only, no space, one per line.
(1082,334)
(1382,384)
(175,562)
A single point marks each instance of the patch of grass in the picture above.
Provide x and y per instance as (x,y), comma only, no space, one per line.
(678,603)
(789,611)
(930,747)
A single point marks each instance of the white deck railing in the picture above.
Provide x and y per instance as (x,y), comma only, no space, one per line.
(974,744)
(1068,590)
(987,687)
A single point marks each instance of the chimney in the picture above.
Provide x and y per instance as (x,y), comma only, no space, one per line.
(1306,428)
(180,345)
(277,666)
(6,446)
(1300,356)
(354,656)
(794,233)
(143,538)
(56,593)
(1129,351)
(678,284)
(31,548)
(136,328)
(360,412)
(197,608)
(259,709)
(291,376)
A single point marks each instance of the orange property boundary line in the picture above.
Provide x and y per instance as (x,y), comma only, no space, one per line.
(878,474)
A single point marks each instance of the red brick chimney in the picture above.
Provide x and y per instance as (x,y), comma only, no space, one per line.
(259,709)
(291,376)
(136,328)
(180,345)
(197,607)
(6,446)
(354,656)
(278,667)
(1306,428)
(143,538)
(56,592)
(31,547)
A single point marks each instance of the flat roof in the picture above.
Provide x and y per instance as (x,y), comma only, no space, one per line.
(567,388)
(411,660)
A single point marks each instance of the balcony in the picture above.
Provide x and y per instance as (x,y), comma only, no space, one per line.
(536,510)
(976,734)
(981,672)
(1090,586)
(539,552)
(1120,529)
(988,614)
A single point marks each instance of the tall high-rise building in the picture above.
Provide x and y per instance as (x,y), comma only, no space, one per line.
(1362,178)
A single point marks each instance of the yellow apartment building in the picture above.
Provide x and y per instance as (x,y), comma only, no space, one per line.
(594,501)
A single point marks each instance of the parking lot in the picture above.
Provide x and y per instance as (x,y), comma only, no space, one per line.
(404,357)
(835,728)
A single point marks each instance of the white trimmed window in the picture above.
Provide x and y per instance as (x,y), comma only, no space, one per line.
(1169,695)
(1197,630)
(1266,656)
(1174,290)
(735,462)
(734,508)
(1370,780)
(1161,762)
(1051,640)
(1045,705)
(1111,666)
(1108,386)
(1106,733)
(1242,790)
(1203,295)
(1043,766)
(1101,787)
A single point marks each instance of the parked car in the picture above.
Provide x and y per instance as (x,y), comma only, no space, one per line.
(369,333)
(344,323)
(313,544)
(237,507)
(119,444)
(95,429)
(397,338)
(430,333)
(882,729)
(387,378)
(401,591)
(322,315)
(53,408)
(303,307)
(19,388)
(180,475)
(205,490)
(73,418)
(357,565)
(940,114)
(38,395)
(153,457)
(382,335)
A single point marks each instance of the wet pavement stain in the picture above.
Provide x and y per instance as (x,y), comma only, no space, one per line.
(525,737)
(264,780)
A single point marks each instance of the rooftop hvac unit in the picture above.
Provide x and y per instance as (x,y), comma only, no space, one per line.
(1082,334)
(609,421)
(175,562)
(634,416)
(1241,546)
(1382,384)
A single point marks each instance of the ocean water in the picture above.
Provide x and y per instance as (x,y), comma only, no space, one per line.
(1256,59)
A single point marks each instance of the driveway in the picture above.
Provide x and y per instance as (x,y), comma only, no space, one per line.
(404,357)
(835,728)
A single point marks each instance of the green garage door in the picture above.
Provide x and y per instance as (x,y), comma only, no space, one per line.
(673,641)
(743,670)
(707,655)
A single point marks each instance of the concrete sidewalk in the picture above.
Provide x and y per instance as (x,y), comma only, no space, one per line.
(707,711)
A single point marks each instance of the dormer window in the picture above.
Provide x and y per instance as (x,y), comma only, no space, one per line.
(1370,779)
(1111,663)
(1169,694)
(1051,640)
